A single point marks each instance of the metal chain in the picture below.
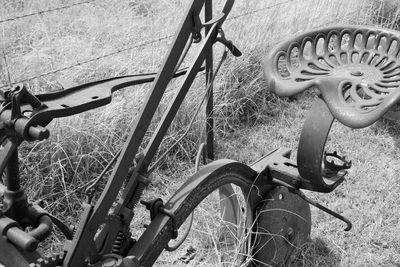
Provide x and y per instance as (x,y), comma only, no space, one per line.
(46,11)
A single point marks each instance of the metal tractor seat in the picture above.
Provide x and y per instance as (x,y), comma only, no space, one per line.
(357,72)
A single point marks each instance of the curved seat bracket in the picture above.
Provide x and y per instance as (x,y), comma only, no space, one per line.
(311,148)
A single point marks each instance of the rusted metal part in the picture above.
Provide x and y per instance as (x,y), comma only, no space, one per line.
(81,227)
(176,102)
(25,113)
(331,169)
(65,229)
(30,111)
(278,169)
(207,179)
(311,148)
(17,213)
(229,203)
(9,153)
(278,165)
(130,149)
(12,230)
(315,204)
(116,238)
(14,118)
(11,256)
(283,224)
(156,207)
(208,14)
(354,67)
(9,147)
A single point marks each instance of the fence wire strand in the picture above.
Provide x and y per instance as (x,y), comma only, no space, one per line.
(148,42)
(46,11)
(258,10)
(117,51)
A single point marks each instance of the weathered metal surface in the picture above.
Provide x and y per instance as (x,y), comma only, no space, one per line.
(283,225)
(311,147)
(357,90)
(78,253)
(354,67)
(11,256)
(71,101)
(192,192)
(208,14)
(278,169)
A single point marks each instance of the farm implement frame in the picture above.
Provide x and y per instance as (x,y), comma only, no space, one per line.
(356,71)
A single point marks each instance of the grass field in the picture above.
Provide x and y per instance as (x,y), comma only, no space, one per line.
(103,39)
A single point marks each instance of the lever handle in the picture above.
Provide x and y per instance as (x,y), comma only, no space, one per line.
(234,50)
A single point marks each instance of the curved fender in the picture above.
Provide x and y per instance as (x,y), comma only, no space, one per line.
(230,208)
(192,185)
(208,172)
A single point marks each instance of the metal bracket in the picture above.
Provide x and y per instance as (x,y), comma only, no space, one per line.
(228,44)
(331,169)
(153,206)
(197,26)
(280,170)
(311,148)
(157,206)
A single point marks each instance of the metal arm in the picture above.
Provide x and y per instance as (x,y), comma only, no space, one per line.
(84,239)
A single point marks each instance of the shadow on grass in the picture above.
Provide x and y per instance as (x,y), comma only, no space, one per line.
(391,126)
(316,253)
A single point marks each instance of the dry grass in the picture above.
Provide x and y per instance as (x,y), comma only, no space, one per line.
(250,121)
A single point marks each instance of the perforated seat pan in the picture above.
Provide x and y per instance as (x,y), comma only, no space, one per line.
(356,69)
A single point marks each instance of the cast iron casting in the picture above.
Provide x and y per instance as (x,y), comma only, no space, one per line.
(356,70)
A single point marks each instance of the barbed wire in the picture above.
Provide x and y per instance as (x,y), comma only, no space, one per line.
(115,52)
(46,11)
(258,10)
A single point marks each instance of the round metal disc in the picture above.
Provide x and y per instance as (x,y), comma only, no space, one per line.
(283,223)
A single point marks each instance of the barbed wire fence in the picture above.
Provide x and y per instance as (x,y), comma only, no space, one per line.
(109,54)
(42,12)
(106,55)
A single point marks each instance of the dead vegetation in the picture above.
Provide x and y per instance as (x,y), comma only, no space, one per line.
(127,37)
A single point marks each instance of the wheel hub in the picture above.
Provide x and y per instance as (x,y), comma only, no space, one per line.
(283,224)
